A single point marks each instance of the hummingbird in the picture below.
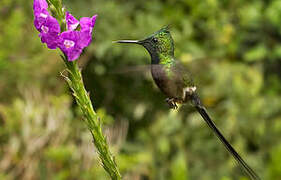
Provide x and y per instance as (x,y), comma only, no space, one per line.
(173,79)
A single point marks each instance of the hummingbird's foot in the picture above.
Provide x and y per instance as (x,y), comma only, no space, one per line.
(172,103)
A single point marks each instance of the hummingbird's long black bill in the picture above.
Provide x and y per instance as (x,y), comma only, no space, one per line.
(202,111)
(128,41)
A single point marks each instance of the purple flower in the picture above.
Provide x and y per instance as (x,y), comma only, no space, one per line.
(47,25)
(70,44)
(72,22)
(72,41)
(40,18)
(49,32)
(87,23)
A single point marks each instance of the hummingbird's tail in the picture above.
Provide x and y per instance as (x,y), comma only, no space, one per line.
(201,109)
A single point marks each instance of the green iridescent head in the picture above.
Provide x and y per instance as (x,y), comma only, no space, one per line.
(160,42)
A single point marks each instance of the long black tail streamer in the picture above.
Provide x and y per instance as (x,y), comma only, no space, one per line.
(200,108)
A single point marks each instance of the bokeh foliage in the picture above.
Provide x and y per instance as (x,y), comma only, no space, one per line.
(232,47)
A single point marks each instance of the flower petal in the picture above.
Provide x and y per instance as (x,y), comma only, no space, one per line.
(39,5)
(49,32)
(74,54)
(87,23)
(94,20)
(69,44)
(51,40)
(40,18)
(71,21)
(85,38)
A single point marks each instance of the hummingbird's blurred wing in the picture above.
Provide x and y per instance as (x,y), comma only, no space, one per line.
(147,67)
(136,69)
(131,69)
(184,73)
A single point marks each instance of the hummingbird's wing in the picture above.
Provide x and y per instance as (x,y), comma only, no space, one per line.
(138,69)
(131,69)
(184,75)
(146,68)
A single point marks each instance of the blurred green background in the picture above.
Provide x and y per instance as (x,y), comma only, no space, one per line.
(233,48)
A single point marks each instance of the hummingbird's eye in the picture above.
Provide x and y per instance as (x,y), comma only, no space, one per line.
(155,40)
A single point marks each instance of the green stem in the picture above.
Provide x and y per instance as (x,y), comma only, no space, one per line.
(75,82)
